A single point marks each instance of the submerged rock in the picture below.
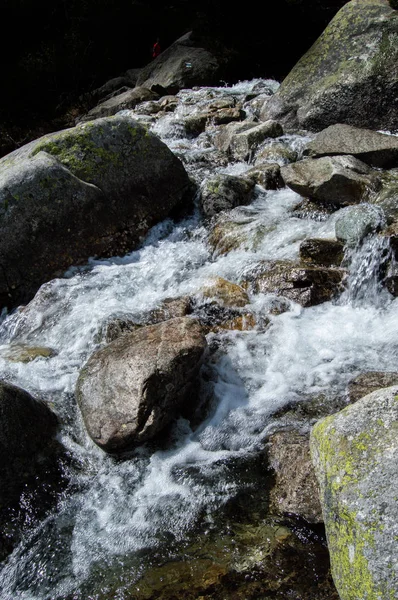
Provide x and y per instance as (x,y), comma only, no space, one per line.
(355,454)
(131,389)
(353,223)
(224,192)
(24,353)
(86,191)
(349,75)
(339,180)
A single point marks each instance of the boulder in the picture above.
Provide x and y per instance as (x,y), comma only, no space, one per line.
(184,64)
(338,180)
(224,192)
(26,429)
(126,100)
(306,285)
(244,143)
(276,152)
(369,382)
(225,293)
(349,75)
(223,137)
(295,490)
(371,147)
(353,223)
(268,175)
(322,252)
(86,191)
(129,391)
(355,454)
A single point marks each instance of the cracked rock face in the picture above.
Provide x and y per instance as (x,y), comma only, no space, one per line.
(133,388)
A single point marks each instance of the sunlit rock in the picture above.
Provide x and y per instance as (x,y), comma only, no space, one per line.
(243,144)
(131,389)
(224,192)
(355,454)
(24,353)
(268,175)
(353,223)
(277,152)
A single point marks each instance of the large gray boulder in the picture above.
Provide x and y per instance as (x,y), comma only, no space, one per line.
(349,75)
(131,389)
(373,148)
(95,189)
(355,453)
(184,64)
(337,180)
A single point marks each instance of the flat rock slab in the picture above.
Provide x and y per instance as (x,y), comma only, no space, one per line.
(127,100)
(373,148)
(131,389)
(355,453)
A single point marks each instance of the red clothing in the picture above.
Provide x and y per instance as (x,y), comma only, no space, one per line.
(156,50)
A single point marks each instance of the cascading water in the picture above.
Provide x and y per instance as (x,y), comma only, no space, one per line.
(123,516)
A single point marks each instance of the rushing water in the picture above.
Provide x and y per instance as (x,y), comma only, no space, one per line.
(125,512)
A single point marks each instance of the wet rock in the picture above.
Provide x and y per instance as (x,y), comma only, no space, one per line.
(322,252)
(303,284)
(387,197)
(92,190)
(129,391)
(356,57)
(369,382)
(223,137)
(168,103)
(339,180)
(353,223)
(307,209)
(224,192)
(277,152)
(126,100)
(296,489)
(267,175)
(225,292)
(24,353)
(148,108)
(184,64)
(233,230)
(355,455)
(244,143)
(371,147)
(227,115)
(196,124)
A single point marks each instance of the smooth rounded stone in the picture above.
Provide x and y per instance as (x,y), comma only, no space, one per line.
(244,144)
(371,147)
(268,175)
(369,382)
(355,454)
(278,152)
(353,223)
(322,252)
(349,75)
(27,426)
(306,285)
(224,192)
(339,180)
(92,190)
(296,489)
(183,64)
(131,389)
(127,100)
(23,353)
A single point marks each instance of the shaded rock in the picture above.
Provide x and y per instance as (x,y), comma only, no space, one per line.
(353,223)
(296,489)
(323,252)
(126,100)
(267,175)
(305,285)
(184,64)
(148,108)
(227,115)
(371,147)
(387,197)
(277,152)
(196,124)
(355,454)
(86,191)
(355,58)
(223,192)
(26,429)
(129,391)
(244,143)
(339,180)
(369,382)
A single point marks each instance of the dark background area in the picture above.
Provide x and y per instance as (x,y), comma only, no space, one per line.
(53,52)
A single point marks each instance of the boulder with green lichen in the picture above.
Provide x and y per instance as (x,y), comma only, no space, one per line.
(92,190)
(355,453)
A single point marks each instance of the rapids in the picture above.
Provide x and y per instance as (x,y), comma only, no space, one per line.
(123,515)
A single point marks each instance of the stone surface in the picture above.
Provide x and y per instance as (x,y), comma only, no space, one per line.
(303,284)
(339,180)
(371,147)
(224,192)
(129,391)
(244,143)
(322,252)
(268,175)
(296,489)
(277,152)
(92,190)
(369,382)
(355,453)
(349,75)
(353,223)
(127,100)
